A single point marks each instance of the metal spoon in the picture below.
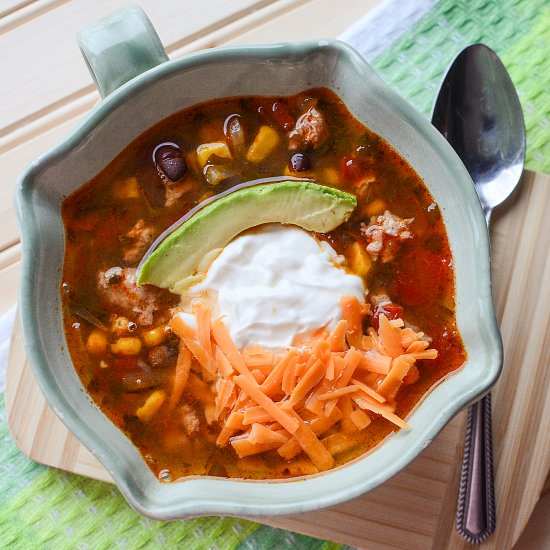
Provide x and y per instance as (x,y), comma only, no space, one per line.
(477,110)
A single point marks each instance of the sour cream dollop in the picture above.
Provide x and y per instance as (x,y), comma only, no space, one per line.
(276,283)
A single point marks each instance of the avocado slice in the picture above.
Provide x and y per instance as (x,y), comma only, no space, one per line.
(311,206)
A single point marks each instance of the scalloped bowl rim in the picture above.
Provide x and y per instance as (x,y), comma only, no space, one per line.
(201,495)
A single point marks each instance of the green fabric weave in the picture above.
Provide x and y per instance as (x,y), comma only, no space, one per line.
(517,30)
(47,509)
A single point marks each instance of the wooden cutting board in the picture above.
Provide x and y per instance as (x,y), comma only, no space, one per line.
(416,508)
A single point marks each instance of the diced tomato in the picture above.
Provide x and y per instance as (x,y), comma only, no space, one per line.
(389,309)
(274,111)
(282,115)
(261,107)
(352,168)
(419,280)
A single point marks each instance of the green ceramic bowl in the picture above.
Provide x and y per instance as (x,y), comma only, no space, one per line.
(140,88)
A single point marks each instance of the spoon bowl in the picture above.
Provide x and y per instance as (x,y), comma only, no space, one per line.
(479,113)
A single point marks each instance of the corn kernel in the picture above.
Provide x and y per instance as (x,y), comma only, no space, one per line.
(359,259)
(206,150)
(151,406)
(264,143)
(376,207)
(126,346)
(154,337)
(329,176)
(96,344)
(127,189)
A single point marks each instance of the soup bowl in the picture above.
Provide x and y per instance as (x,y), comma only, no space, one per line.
(141,87)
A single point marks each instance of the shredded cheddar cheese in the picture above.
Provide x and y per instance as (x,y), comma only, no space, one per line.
(292,401)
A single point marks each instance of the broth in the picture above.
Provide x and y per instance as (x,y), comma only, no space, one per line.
(110,222)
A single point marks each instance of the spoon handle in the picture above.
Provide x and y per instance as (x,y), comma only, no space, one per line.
(475,514)
(475,519)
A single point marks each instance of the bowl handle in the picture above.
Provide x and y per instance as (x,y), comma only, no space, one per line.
(119,47)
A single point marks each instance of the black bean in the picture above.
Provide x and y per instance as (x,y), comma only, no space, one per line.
(300,162)
(162,357)
(168,159)
(141,379)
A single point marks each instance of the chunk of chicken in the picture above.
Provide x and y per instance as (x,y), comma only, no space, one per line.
(378,299)
(175,190)
(362,187)
(120,294)
(191,422)
(310,130)
(139,238)
(384,235)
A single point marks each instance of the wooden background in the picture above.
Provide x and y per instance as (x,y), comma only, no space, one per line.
(45,90)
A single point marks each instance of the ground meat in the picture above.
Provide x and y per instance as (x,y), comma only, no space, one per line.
(377,299)
(362,187)
(120,294)
(190,419)
(175,190)
(384,234)
(310,130)
(138,238)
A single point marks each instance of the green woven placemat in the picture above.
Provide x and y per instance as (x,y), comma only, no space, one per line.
(42,508)
(517,30)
